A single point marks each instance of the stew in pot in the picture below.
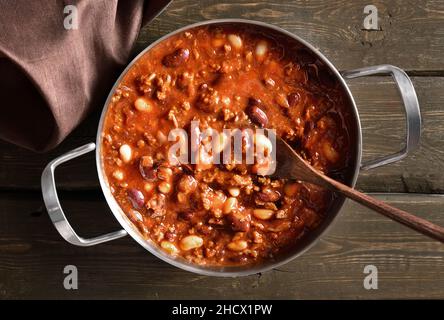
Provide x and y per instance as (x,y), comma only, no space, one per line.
(224,77)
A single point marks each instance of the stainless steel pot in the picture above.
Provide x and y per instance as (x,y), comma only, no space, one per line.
(413,125)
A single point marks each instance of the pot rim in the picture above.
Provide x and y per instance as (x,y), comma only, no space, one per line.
(224,271)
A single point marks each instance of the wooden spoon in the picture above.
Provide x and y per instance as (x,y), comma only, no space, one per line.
(291,166)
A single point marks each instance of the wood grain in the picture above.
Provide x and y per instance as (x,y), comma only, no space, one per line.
(33,256)
(383,125)
(411,33)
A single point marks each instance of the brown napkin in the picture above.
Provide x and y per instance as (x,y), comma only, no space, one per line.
(51,77)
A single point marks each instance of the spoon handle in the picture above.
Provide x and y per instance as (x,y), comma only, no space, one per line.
(416,223)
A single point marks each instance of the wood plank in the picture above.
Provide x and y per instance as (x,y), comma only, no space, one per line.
(411,34)
(32,258)
(383,126)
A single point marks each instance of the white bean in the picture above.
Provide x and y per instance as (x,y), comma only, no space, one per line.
(191,242)
(234,191)
(118,175)
(229,205)
(142,105)
(238,245)
(263,214)
(164,187)
(261,49)
(125,153)
(148,186)
(169,247)
(235,40)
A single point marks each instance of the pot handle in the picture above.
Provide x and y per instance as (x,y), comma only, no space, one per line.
(55,210)
(411,105)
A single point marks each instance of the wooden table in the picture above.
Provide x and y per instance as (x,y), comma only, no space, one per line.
(411,36)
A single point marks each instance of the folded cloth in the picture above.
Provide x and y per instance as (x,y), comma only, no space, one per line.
(57,62)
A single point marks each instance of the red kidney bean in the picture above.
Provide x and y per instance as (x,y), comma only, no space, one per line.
(293,99)
(136,198)
(176,58)
(269,195)
(149,174)
(147,170)
(255,113)
(186,215)
(239,221)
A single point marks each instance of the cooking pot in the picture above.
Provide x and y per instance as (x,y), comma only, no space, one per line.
(413,126)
